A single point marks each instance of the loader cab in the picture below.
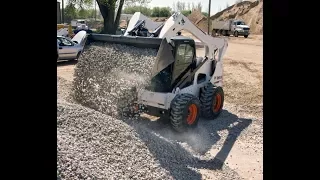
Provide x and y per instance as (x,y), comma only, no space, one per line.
(183,56)
(184,52)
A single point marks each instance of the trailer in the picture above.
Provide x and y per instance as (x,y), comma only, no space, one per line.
(230,27)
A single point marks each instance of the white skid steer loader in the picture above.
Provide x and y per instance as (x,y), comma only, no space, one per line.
(183,87)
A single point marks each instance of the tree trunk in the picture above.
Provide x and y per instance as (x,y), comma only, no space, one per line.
(116,22)
(110,23)
(107,13)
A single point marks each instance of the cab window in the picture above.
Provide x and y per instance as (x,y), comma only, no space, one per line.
(184,57)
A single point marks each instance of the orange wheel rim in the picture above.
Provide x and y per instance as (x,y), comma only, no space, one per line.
(192,116)
(217,104)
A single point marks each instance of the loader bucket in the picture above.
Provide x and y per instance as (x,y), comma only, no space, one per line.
(113,68)
(164,55)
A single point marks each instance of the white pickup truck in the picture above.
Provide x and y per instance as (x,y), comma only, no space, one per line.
(79,23)
(231,27)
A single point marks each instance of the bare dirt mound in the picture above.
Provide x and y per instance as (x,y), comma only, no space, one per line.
(195,16)
(250,12)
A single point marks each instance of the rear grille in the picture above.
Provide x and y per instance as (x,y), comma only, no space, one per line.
(246,29)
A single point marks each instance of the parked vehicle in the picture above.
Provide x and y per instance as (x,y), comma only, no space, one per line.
(71,49)
(231,27)
(78,22)
(64,30)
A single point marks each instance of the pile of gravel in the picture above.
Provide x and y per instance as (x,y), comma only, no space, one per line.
(94,145)
(108,76)
(97,146)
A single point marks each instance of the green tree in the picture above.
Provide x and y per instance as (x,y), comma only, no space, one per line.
(186,12)
(131,10)
(110,11)
(90,13)
(155,12)
(165,12)
(70,12)
(205,14)
(83,13)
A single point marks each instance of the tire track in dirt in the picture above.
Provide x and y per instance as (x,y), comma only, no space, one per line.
(245,65)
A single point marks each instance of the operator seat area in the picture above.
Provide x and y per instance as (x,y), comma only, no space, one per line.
(183,51)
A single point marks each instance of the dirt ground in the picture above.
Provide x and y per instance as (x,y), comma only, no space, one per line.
(239,144)
(243,89)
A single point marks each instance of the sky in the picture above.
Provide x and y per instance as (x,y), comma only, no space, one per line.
(215,4)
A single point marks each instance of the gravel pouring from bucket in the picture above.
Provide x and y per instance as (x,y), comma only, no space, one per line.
(112,69)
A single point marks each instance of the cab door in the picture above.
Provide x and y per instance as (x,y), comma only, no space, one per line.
(184,59)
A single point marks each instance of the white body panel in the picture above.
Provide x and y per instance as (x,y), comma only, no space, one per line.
(78,22)
(82,27)
(178,22)
(163,100)
(63,32)
(80,37)
(74,23)
(150,25)
(174,24)
(68,52)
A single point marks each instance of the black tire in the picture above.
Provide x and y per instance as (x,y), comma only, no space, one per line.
(212,99)
(180,116)
(236,34)
(224,33)
(246,36)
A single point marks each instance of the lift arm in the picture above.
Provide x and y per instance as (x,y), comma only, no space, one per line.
(178,22)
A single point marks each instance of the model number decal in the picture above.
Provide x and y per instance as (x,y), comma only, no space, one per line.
(217,77)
